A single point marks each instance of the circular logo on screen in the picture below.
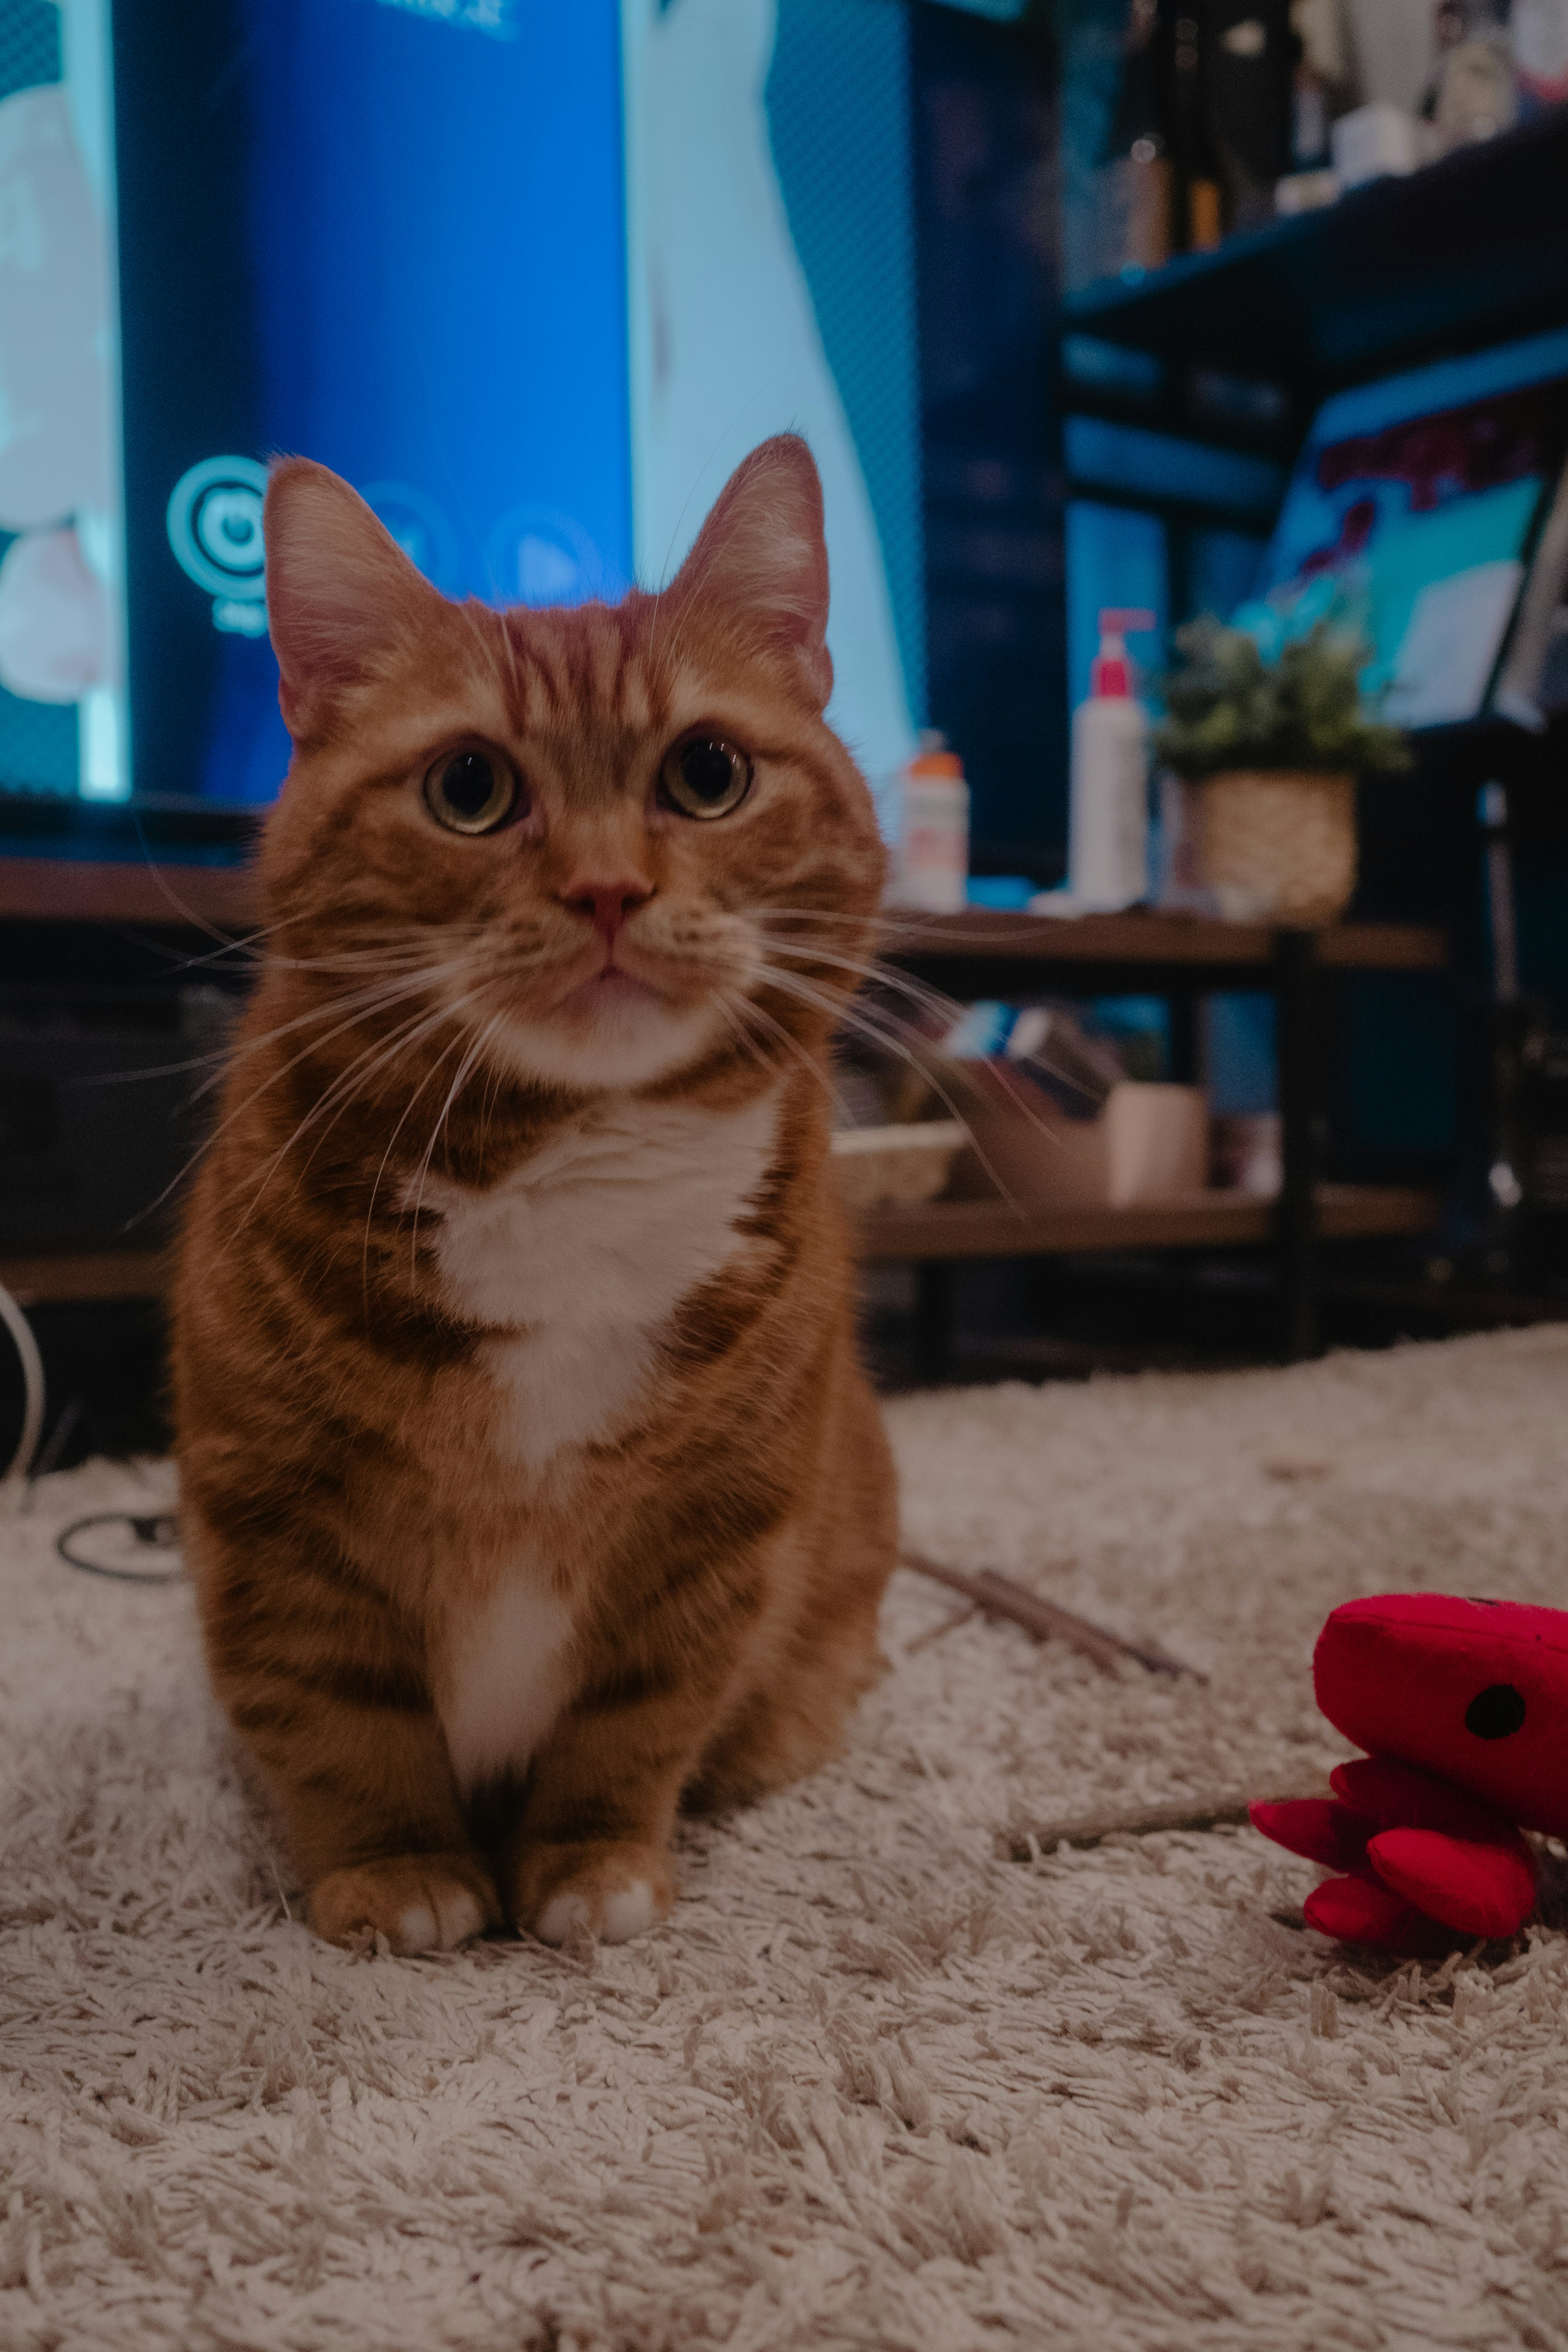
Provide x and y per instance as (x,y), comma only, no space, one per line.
(419,527)
(537,556)
(215,528)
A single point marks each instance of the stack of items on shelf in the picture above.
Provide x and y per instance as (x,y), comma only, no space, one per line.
(1190,119)
(1044,1105)
(1259,758)
(1396,86)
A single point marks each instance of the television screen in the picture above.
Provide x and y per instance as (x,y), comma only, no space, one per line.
(531,275)
(1414,509)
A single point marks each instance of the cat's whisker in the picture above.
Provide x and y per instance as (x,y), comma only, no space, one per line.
(187,913)
(411,1033)
(229,1061)
(944,1011)
(772,912)
(466,1063)
(397,943)
(730,1014)
(926,1066)
(379,1055)
(919,992)
(950,1076)
(355,1004)
(347,1085)
(245,946)
(201,1152)
(386,1155)
(749,1009)
(225,1057)
(364,1006)
(763,917)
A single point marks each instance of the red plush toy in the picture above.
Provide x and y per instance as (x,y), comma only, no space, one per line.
(1464,1707)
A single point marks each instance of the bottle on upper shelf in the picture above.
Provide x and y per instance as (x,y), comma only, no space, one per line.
(1199,172)
(1247,72)
(930,854)
(1137,156)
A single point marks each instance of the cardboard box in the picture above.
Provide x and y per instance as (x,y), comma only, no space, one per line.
(1147,1144)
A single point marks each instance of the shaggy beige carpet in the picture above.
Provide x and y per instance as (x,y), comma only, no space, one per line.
(902,2071)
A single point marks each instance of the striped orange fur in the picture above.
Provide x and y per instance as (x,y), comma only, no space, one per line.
(529,1479)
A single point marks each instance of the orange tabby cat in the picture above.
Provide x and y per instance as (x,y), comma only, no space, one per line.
(529,1479)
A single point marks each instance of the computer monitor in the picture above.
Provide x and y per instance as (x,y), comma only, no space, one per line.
(1415,509)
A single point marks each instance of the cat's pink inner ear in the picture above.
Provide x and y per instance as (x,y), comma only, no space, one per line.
(341,594)
(761,556)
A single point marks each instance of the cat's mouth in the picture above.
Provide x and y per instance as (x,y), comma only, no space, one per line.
(609,990)
(614,986)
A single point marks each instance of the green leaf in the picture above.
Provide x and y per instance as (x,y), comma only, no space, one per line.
(1226,706)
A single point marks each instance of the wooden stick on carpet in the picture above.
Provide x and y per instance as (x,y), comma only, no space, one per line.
(1219,1813)
(1002,1596)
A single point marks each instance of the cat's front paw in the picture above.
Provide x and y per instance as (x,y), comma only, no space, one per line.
(419,1901)
(608,1890)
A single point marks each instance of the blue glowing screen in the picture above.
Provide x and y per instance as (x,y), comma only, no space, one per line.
(533,275)
(1412,512)
(405,219)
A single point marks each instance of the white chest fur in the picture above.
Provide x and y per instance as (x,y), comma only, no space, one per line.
(507,1680)
(583,1253)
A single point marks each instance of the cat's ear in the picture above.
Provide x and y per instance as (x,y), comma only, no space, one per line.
(341,596)
(761,557)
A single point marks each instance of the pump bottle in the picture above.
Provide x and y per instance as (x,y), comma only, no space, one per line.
(1108,848)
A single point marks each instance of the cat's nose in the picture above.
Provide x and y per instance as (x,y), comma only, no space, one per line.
(607,901)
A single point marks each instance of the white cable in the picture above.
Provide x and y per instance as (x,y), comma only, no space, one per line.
(32,1365)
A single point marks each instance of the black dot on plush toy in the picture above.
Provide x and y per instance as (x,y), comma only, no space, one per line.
(1495,1713)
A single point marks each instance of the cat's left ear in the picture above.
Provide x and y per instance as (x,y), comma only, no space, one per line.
(343,599)
(761,557)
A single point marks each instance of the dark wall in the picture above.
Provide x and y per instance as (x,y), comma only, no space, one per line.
(985,161)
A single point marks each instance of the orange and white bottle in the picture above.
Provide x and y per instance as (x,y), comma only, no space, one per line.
(932,872)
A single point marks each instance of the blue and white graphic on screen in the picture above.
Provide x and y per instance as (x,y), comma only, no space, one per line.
(751,125)
(1410,517)
(437,270)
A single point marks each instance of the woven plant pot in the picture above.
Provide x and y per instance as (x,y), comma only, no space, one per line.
(1275,846)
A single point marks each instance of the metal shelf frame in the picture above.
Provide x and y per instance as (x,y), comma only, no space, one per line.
(1014,956)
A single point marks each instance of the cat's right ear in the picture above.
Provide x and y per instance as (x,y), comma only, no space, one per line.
(341,596)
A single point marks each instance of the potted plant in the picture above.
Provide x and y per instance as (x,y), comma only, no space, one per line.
(1265,755)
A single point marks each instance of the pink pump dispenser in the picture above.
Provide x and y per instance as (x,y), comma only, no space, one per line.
(1110,671)
(1108,839)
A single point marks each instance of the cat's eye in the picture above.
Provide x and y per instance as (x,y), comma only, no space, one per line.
(471,790)
(705,776)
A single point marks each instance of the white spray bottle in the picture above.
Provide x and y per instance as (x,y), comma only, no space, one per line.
(1108,842)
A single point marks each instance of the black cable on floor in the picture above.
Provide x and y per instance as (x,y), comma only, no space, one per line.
(160,1530)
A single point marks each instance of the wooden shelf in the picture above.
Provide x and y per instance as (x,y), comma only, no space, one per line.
(171,895)
(1462,253)
(932,1231)
(1179,942)
(168,896)
(80,1277)
(938,1230)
